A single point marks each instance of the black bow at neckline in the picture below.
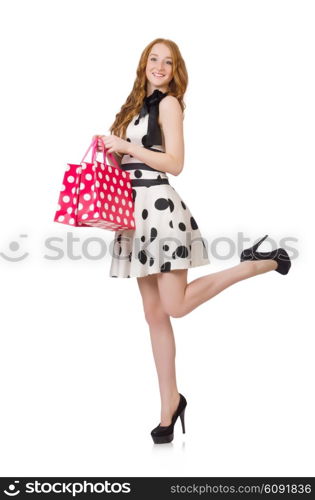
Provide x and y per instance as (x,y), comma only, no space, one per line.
(155,97)
(151,105)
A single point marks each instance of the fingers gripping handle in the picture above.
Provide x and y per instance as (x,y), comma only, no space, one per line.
(93,145)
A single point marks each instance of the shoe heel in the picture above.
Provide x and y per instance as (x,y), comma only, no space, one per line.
(259,243)
(182,419)
(249,253)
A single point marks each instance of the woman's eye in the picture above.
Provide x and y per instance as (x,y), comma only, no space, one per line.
(154,59)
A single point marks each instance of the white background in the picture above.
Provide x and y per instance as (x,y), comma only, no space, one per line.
(79,389)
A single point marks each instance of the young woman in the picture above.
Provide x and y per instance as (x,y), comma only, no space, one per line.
(147,140)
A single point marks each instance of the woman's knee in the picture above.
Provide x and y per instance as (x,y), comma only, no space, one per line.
(152,305)
(154,314)
(172,287)
(175,311)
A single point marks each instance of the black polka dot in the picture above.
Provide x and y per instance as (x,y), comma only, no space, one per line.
(120,249)
(142,256)
(181,252)
(119,238)
(142,238)
(153,234)
(144,213)
(165,267)
(193,223)
(166,247)
(151,261)
(128,139)
(183,205)
(134,193)
(182,226)
(130,256)
(171,204)
(171,223)
(138,173)
(161,204)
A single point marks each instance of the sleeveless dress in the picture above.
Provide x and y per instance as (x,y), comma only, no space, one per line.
(166,235)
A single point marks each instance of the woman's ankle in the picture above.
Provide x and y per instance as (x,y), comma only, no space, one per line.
(169,407)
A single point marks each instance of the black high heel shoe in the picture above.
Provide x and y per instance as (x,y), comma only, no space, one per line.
(280,255)
(165,433)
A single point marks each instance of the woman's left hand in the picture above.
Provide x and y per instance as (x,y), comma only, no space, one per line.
(115,144)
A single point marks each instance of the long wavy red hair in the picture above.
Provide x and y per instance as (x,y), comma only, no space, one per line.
(177,86)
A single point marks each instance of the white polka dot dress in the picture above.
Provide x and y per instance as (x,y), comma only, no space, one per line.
(166,236)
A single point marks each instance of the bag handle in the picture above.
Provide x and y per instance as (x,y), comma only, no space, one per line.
(93,143)
(105,152)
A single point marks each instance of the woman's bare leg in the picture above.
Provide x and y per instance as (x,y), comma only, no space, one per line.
(179,298)
(170,291)
(163,346)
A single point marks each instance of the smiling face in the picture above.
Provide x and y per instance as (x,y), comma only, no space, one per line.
(159,69)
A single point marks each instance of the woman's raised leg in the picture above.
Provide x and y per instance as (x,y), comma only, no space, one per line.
(178,297)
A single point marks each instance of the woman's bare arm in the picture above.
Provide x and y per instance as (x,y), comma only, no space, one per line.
(172,161)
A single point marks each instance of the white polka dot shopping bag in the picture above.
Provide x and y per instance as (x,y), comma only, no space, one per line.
(96,194)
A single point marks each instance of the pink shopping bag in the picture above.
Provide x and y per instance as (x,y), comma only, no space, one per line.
(96,194)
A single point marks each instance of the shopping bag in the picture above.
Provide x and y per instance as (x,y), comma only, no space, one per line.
(96,194)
